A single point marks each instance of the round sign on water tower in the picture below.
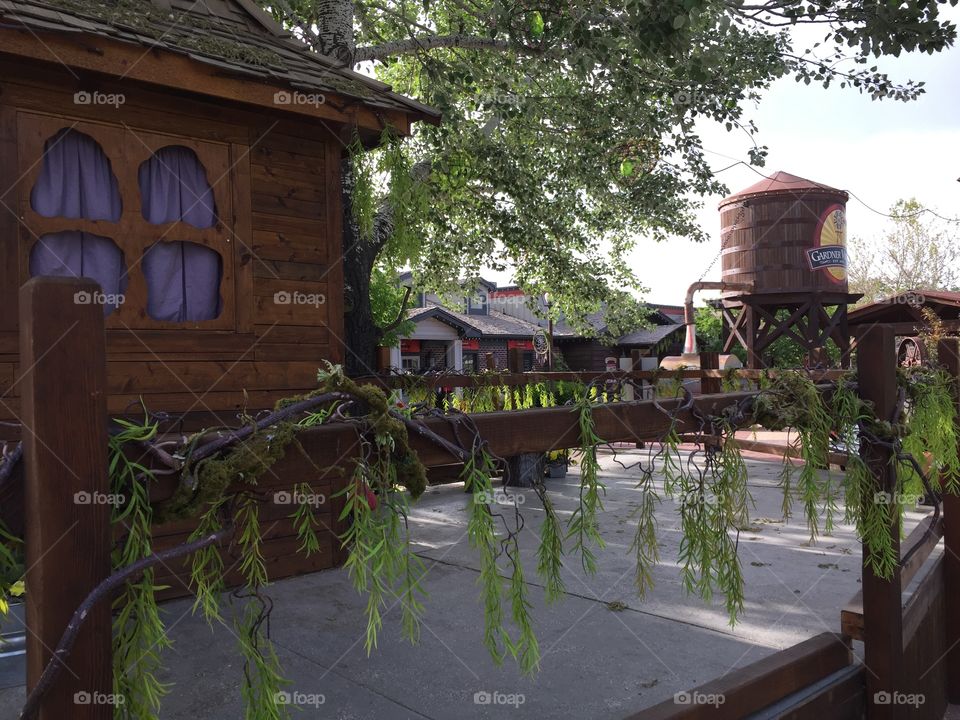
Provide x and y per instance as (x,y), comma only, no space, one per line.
(829,251)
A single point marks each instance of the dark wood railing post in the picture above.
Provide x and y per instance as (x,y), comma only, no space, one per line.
(515,360)
(948,353)
(63,389)
(882,610)
(710,385)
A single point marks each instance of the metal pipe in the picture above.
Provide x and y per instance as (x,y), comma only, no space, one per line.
(690,343)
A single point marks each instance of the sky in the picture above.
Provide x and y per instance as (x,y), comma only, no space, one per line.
(879,151)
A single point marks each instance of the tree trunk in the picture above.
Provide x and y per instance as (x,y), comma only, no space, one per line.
(335,39)
(335,29)
(359,256)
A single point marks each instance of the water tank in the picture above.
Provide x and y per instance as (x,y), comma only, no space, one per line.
(785,234)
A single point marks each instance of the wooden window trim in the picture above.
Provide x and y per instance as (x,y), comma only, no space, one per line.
(127,148)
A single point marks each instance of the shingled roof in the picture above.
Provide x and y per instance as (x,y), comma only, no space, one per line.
(234,36)
(494,324)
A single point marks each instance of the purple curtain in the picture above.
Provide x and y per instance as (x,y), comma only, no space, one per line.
(78,254)
(76,180)
(183,278)
(173,185)
(183,282)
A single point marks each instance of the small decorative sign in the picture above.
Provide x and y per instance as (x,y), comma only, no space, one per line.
(519,344)
(827,257)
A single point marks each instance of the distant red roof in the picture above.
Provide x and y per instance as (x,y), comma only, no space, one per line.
(781,182)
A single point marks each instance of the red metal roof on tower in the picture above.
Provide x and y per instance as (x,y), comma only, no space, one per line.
(781,182)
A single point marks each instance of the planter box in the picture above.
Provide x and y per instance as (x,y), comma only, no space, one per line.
(556,471)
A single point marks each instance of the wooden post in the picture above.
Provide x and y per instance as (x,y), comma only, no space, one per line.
(491,361)
(515,360)
(882,610)
(383,359)
(710,361)
(63,390)
(948,353)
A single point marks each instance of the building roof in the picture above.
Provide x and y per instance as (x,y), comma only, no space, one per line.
(906,308)
(597,320)
(781,182)
(650,336)
(234,36)
(493,324)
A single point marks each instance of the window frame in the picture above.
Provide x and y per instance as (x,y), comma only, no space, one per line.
(127,148)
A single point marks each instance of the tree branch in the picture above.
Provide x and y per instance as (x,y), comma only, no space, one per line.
(400,315)
(99,593)
(432,42)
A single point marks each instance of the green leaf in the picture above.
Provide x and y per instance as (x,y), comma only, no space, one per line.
(536,24)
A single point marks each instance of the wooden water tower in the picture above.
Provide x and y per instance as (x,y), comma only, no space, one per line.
(786,237)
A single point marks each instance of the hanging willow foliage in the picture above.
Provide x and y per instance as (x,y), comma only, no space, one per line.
(708,486)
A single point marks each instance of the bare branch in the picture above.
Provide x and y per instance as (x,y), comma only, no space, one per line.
(100,593)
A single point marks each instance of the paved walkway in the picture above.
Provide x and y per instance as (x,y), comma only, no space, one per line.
(606,653)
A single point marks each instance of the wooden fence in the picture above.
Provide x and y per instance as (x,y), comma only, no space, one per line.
(68,543)
(911,650)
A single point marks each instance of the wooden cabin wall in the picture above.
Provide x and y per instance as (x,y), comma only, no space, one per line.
(285,228)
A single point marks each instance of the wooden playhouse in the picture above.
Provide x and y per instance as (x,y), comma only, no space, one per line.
(186,155)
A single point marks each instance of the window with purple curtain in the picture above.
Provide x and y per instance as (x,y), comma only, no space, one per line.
(183,278)
(76,181)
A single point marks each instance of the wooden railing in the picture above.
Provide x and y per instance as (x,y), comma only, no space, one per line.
(68,545)
(487,379)
(912,648)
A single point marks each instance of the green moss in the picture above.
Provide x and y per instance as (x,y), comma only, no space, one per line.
(146,19)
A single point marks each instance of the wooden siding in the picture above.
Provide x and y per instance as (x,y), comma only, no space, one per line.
(282,196)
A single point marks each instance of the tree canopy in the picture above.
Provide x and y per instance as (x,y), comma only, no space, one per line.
(919,251)
(571,128)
